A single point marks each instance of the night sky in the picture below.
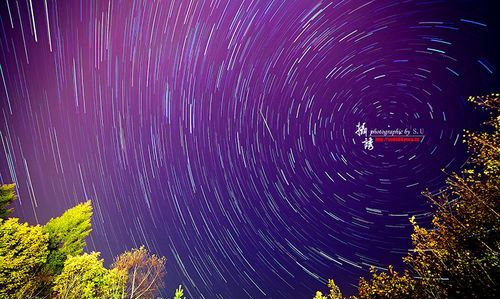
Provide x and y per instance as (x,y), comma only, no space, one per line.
(221,134)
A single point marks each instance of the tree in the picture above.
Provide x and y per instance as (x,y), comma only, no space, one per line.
(179,293)
(334,292)
(7,196)
(23,252)
(47,262)
(84,277)
(458,256)
(388,285)
(67,235)
(145,272)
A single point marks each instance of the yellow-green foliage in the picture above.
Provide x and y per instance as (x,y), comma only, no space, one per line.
(47,262)
(84,277)
(7,196)
(458,256)
(67,235)
(334,292)
(23,252)
(179,293)
(485,146)
(388,285)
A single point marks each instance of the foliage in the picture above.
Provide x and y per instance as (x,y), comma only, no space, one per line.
(145,272)
(84,276)
(457,257)
(334,292)
(67,235)
(7,196)
(179,293)
(23,252)
(47,262)
(388,285)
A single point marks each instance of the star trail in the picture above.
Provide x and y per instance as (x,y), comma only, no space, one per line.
(222,134)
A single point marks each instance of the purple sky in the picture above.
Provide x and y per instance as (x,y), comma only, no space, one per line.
(221,134)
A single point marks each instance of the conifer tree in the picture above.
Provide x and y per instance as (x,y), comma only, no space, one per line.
(7,196)
(67,235)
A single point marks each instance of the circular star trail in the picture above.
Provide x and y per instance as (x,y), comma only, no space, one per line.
(222,134)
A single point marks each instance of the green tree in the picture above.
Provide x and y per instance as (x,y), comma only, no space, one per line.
(67,235)
(145,273)
(23,253)
(85,277)
(47,262)
(7,196)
